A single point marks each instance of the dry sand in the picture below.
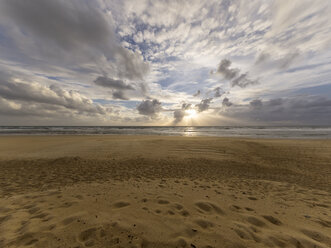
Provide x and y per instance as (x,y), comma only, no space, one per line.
(147,191)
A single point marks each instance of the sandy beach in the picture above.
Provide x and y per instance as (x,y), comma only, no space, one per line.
(158,191)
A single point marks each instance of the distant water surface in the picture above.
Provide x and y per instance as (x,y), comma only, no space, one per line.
(243,131)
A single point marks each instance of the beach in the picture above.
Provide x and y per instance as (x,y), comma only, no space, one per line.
(164,191)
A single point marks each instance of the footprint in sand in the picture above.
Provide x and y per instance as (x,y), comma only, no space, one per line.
(319,237)
(51,227)
(163,202)
(121,204)
(209,208)
(33,210)
(204,224)
(68,220)
(272,220)
(26,239)
(178,206)
(235,208)
(255,221)
(323,223)
(5,218)
(40,216)
(184,213)
(245,233)
(170,212)
(88,236)
(68,204)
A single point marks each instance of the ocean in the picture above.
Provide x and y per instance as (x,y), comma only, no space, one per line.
(219,131)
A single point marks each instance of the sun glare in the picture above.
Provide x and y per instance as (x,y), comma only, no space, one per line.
(191,113)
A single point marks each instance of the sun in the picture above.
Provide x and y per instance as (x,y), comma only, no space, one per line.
(191,113)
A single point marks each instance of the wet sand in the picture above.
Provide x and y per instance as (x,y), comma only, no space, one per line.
(157,191)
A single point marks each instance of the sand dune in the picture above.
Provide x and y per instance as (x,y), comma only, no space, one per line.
(145,191)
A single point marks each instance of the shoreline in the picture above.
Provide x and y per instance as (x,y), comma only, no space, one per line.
(170,135)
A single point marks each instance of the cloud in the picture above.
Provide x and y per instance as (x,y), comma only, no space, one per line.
(299,110)
(281,62)
(197,93)
(179,114)
(256,103)
(242,81)
(74,33)
(20,94)
(233,74)
(218,92)
(116,84)
(112,83)
(204,104)
(119,95)
(226,102)
(149,107)
(224,69)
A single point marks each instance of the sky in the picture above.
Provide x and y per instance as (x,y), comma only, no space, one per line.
(140,62)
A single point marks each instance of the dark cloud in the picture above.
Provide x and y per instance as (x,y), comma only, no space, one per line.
(204,104)
(179,114)
(119,95)
(275,102)
(67,32)
(226,71)
(68,24)
(233,74)
(218,92)
(118,85)
(226,102)
(256,103)
(112,83)
(149,107)
(299,110)
(283,62)
(242,81)
(197,93)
